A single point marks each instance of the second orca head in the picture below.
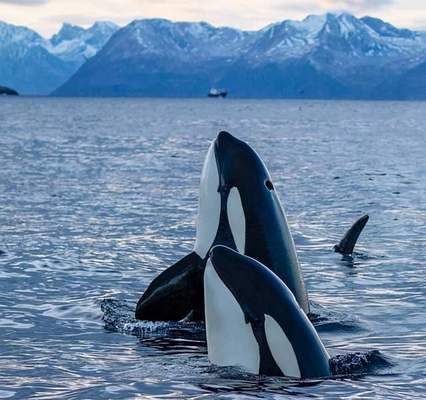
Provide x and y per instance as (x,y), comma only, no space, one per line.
(254,321)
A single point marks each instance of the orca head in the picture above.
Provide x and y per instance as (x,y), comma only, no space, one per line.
(244,296)
(240,166)
(234,304)
(233,174)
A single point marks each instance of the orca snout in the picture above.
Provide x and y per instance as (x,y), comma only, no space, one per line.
(224,259)
(231,266)
(219,253)
(223,136)
(225,140)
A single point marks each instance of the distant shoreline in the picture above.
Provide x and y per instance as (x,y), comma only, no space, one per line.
(212,100)
(7,91)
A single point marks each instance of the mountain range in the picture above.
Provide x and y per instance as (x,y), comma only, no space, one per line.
(32,64)
(336,56)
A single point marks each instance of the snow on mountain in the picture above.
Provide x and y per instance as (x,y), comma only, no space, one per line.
(182,39)
(386,29)
(331,55)
(76,44)
(341,33)
(26,64)
(18,39)
(35,65)
(67,32)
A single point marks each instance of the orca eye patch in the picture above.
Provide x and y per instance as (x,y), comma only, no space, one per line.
(269,185)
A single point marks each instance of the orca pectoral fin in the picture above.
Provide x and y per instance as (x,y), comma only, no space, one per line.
(175,293)
(347,244)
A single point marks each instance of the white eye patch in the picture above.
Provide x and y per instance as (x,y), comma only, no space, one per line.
(281,348)
(237,220)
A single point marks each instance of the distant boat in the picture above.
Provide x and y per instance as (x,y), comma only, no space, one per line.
(217,93)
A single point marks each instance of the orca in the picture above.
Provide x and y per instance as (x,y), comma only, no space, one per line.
(239,208)
(254,322)
(347,244)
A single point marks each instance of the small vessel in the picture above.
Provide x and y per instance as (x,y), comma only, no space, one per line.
(217,93)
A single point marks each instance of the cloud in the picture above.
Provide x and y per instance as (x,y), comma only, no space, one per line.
(85,20)
(46,16)
(322,6)
(356,5)
(25,2)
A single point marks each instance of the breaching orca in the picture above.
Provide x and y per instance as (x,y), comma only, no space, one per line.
(253,320)
(347,244)
(239,208)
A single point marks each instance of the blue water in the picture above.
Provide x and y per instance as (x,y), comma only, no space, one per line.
(98,195)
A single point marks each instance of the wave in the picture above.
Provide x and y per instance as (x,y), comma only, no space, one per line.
(118,316)
(325,320)
(358,363)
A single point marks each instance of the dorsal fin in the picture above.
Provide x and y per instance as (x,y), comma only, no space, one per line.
(347,244)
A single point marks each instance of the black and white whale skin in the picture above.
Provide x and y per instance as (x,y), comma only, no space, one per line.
(254,322)
(347,244)
(238,208)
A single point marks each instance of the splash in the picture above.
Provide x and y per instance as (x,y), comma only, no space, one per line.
(119,316)
(358,363)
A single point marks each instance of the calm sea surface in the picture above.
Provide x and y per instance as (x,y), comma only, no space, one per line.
(99,195)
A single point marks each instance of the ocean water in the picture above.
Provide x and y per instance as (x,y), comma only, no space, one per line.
(99,195)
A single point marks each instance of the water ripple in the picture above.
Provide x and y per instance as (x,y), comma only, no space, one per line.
(99,195)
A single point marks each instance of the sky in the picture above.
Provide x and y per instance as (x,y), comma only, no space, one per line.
(46,16)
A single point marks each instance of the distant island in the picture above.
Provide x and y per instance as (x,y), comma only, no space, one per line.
(330,56)
(8,91)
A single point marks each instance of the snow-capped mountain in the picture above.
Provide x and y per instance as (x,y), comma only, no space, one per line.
(343,33)
(75,44)
(34,65)
(181,42)
(162,57)
(26,64)
(326,56)
(322,56)
(356,53)
(12,35)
